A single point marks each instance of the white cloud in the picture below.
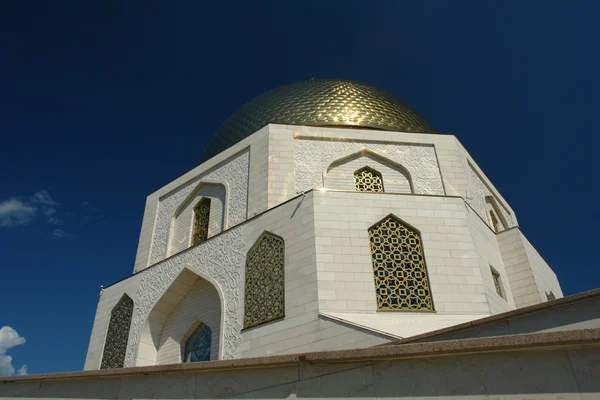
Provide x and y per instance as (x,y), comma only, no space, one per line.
(48,205)
(17,212)
(54,221)
(43,197)
(9,338)
(58,234)
(14,212)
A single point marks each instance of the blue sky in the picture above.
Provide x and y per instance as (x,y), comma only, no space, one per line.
(103,103)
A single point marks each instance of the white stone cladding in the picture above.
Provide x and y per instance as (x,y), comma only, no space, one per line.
(345,271)
(489,256)
(545,278)
(529,276)
(341,175)
(233,174)
(314,157)
(200,303)
(257,185)
(254,149)
(480,192)
(180,236)
(221,261)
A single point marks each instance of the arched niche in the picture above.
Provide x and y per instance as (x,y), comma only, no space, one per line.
(340,173)
(182,224)
(190,299)
(495,217)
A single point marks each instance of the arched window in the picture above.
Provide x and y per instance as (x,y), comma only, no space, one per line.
(115,345)
(264,298)
(368,180)
(197,347)
(401,281)
(201,220)
(497,282)
(550,296)
(496,219)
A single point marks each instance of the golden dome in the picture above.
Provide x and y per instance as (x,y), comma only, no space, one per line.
(319,102)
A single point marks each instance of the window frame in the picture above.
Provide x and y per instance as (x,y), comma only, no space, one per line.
(247,324)
(374,172)
(195,333)
(124,301)
(200,234)
(498,282)
(425,270)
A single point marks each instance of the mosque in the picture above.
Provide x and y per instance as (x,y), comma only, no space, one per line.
(330,228)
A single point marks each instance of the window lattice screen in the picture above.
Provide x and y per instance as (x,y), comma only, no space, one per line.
(197,347)
(115,345)
(264,298)
(201,220)
(368,180)
(401,281)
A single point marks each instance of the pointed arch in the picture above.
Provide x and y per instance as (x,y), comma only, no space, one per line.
(192,298)
(340,173)
(399,269)
(182,230)
(367,179)
(117,335)
(264,286)
(201,221)
(495,217)
(196,343)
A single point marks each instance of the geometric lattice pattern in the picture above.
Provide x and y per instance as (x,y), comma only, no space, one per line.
(264,298)
(497,282)
(201,220)
(197,348)
(368,180)
(400,274)
(115,345)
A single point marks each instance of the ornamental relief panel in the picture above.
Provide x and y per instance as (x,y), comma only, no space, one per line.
(220,258)
(478,200)
(234,173)
(312,157)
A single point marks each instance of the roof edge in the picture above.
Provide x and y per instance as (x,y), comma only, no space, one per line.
(519,312)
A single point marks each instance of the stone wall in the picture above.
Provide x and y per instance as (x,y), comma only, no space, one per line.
(529,276)
(540,366)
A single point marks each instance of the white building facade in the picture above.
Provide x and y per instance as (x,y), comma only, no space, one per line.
(325,234)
